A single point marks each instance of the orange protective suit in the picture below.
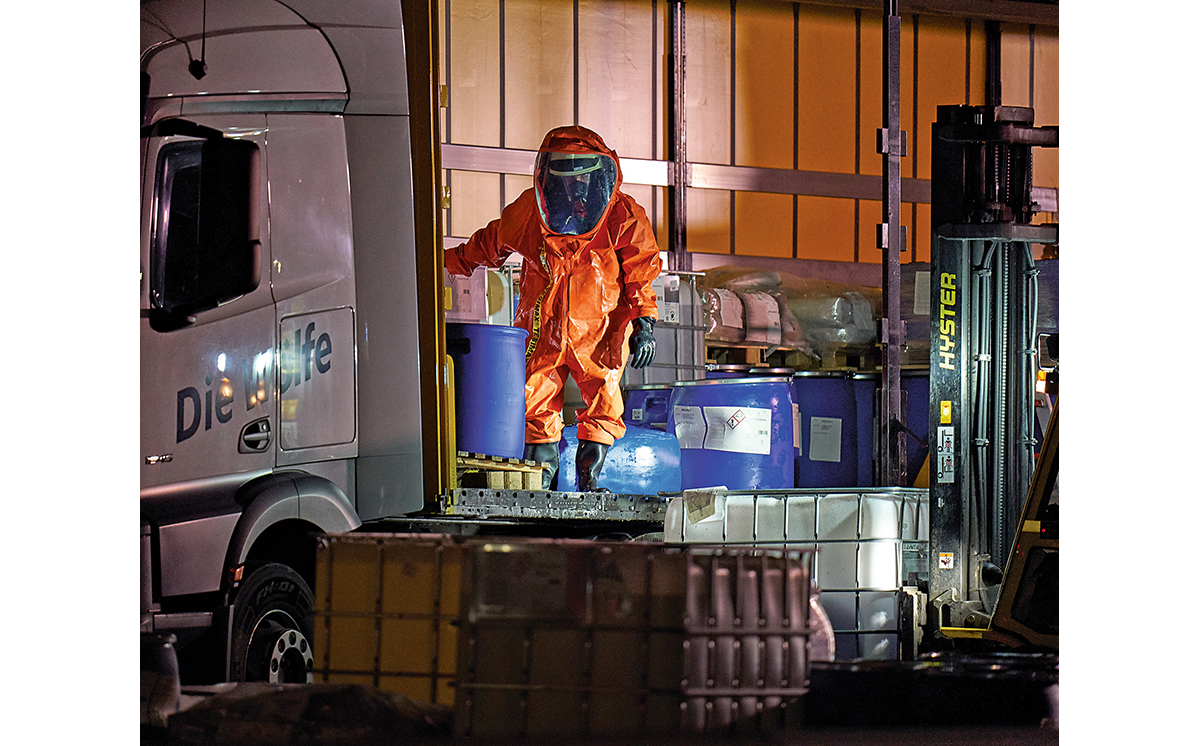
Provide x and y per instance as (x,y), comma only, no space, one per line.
(578,295)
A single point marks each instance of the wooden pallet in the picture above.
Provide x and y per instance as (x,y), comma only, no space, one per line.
(497,473)
(850,357)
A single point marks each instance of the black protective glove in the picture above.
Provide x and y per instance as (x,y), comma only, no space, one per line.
(641,342)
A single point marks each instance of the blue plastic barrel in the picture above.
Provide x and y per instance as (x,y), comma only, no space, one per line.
(645,461)
(827,455)
(647,405)
(864,401)
(734,432)
(489,388)
(713,370)
(915,383)
(772,372)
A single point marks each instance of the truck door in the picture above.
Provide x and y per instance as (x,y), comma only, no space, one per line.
(208,323)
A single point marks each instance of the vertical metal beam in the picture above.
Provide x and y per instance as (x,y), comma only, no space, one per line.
(991,76)
(421,46)
(893,450)
(677,257)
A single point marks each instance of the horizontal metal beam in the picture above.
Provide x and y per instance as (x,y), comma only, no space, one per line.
(520,162)
(715,176)
(809,183)
(1011,11)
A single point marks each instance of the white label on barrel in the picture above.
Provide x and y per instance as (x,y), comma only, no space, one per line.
(636,413)
(796,430)
(825,439)
(689,427)
(738,429)
(670,312)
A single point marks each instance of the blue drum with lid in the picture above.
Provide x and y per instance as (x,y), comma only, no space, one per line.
(489,388)
(734,433)
(827,455)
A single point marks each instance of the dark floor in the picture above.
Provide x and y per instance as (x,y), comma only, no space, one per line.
(981,700)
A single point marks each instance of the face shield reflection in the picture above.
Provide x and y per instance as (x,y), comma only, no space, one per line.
(575,189)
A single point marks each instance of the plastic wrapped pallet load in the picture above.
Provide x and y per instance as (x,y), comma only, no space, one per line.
(538,638)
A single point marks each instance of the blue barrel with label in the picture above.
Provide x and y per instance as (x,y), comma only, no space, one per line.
(827,455)
(864,401)
(646,406)
(489,388)
(734,433)
(644,461)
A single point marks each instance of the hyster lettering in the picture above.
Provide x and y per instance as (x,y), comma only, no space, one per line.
(948,297)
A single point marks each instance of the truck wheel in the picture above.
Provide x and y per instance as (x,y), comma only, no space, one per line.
(272,627)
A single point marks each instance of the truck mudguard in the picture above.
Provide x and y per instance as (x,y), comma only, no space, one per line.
(283,496)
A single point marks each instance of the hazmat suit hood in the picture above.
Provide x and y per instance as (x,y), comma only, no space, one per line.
(576,177)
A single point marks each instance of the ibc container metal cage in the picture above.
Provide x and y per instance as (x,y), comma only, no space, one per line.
(869,544)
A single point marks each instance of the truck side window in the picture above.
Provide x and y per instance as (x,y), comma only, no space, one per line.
(202,251)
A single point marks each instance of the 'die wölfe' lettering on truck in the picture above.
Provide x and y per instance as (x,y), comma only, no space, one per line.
(948,297)
(297,359)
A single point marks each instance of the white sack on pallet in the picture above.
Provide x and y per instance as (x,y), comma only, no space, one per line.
(761,312)
(790,332)
(723,316)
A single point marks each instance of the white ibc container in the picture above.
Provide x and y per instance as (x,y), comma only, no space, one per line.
(859,537)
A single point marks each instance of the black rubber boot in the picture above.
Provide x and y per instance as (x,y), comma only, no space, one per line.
(546,453)
(589,459)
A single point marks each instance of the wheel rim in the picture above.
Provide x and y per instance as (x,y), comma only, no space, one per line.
(278,651)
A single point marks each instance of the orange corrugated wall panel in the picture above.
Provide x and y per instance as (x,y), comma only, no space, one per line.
(828,51)
(708,108)
(763,112)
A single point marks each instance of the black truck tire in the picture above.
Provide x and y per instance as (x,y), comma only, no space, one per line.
(271,638)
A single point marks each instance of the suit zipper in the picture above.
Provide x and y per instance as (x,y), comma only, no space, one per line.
(536,333)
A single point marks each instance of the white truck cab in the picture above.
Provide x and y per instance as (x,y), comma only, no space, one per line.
(279,313)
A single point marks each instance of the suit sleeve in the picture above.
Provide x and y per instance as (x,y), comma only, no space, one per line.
(483,249)
(640,264)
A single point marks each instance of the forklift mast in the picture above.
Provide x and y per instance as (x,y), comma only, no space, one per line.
(983,366)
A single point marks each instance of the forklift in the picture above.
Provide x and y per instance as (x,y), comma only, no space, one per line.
(992,577)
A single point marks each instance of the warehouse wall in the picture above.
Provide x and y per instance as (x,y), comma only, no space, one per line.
(769,85)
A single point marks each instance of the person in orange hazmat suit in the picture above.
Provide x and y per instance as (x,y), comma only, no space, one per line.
(589,256)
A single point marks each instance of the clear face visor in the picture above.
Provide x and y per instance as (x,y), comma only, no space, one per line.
(575,190)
